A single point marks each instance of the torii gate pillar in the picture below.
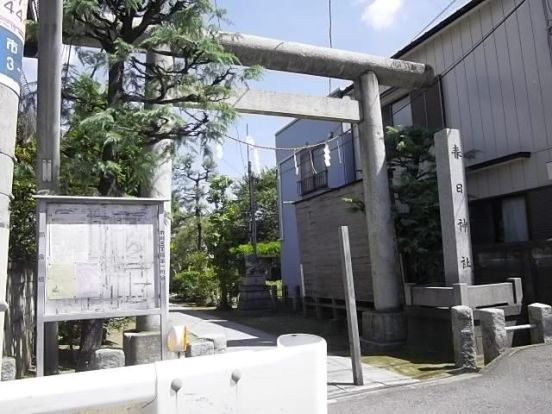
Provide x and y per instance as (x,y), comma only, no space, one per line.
(385,326)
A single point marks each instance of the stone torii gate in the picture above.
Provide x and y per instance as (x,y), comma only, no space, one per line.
(367,72)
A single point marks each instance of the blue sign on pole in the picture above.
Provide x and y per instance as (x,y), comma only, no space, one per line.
(11,57)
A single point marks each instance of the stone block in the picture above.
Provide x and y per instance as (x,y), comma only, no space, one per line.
(8,369)
(148,323)
(106,358)
(218,340)
(253,296)
(463,336)
(201,347)
(540,315)
(142,347)
(383,327)
(493,332)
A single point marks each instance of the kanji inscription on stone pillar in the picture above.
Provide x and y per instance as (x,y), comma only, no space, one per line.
(453,201)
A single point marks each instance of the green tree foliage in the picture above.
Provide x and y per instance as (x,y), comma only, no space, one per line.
(413,183)
(22,249)
(22,245)
(212,220)
(197,282)
(190,191)
(192,276)
(225,232)
(264,249)
(112,126)
(266,196)
(90,133)
(417,216)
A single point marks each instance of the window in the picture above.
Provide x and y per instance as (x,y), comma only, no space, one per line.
(502,220)
(421,108)
(401,112)
(314,174)
(514,220)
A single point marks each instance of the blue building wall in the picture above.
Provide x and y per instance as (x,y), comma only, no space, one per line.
(341,171)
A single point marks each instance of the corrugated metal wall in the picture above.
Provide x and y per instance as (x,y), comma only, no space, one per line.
(500,96)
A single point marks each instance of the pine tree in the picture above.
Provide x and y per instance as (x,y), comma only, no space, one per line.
(118,104)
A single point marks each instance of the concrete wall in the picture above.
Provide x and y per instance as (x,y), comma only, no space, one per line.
(296,134)
(318,221)
(498,97)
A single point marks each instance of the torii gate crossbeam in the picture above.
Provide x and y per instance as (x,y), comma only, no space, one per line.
(322,61)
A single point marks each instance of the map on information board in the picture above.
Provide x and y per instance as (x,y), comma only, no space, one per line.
(100,257)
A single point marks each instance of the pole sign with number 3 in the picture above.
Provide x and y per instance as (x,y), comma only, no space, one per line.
(12,37)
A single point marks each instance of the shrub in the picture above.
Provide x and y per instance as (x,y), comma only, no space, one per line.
(266,249)
(196,286)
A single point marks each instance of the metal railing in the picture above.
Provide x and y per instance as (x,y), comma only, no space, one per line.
(312,183)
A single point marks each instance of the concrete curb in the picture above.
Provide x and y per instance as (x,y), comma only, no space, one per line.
(506,354)
(424,384)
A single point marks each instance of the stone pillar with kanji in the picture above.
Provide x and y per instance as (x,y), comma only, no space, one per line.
(453,202)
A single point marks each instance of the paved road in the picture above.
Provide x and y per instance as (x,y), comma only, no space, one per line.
(518,382)
(241,338)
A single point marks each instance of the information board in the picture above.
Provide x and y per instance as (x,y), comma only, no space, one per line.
(12,37)
(99,258)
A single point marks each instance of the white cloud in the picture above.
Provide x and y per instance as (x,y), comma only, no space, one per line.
(381,14)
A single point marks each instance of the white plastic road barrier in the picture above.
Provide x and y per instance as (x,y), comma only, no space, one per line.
(288,379)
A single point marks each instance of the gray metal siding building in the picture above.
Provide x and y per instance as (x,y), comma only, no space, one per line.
(494,61)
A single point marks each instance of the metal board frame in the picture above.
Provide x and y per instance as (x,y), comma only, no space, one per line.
(161,286)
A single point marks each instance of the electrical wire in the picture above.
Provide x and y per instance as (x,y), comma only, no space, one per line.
(332,150)
(291,149)
(435,19)
(330,35)
(240,173)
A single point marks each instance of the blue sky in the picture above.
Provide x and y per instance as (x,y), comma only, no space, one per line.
(377,27)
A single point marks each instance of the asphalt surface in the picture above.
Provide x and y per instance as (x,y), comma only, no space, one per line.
(245,338)
(520,381)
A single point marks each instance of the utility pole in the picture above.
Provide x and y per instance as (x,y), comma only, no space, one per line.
(252,202)
(12,38)
(50,23)
(254,293)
